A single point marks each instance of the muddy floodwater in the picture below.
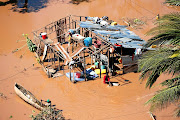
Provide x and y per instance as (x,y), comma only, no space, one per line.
(91,100)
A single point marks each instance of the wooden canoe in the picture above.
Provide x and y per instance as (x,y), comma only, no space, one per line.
(28,97)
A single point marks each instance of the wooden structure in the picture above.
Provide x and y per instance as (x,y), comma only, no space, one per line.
(51,51)
(54,53)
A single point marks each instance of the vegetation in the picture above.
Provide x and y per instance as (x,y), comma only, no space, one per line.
(77,2)
(11,117)
(164,60)
(31,46)
(3,96)
(48,114)
(135,22)
(173,2)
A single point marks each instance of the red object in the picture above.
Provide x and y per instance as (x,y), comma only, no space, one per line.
(117,45)
(132,57)
(78,75)
(97,43)
(112,49)
(44,35)
(106,79)
(120,60)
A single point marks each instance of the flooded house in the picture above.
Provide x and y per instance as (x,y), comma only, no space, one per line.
(83,43)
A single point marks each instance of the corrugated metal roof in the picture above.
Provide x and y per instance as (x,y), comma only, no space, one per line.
(117,34)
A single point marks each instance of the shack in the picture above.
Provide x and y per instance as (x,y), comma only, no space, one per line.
(74,41)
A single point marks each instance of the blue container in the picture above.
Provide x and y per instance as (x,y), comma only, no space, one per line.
(103,67)
(88,41)
(96,63)
(71,31)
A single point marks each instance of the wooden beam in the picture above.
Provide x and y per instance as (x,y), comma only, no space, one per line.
(84,65)
(70,73)
(152,116)
(100,63)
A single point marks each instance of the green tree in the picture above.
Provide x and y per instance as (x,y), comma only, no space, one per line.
(165,59)
(173,2)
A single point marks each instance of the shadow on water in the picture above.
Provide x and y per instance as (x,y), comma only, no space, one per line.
(77,2)
(25,6)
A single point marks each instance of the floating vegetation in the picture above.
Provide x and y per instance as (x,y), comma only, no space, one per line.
(31,46)
(135,22)
(3,96)
(48,114)
(11,117)
(77,2)
(173,2)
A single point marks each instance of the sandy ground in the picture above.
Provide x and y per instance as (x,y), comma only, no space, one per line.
(90,100)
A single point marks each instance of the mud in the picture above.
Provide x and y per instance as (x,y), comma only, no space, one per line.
(90,100)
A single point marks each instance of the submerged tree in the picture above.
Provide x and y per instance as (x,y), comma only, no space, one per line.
(164,60)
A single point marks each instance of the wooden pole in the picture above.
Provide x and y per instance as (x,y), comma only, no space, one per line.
(70,73)
(121,49)
(100,63)
(72,46)
(63,67)
(75,25)
(73,76)
(48,65)
(54,58)
(60,30)
(51,56)
(113,63)
(91,59)
(109,61)
(65,23)
(72,24)
(84,65)
(59,64)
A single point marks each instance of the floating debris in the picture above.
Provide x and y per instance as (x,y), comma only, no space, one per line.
(3,96)
(135,22)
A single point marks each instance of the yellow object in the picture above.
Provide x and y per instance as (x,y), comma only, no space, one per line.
(153,46)
(176,54)
(97,71)
(69,39)
(120,60)
(157,17)
(113,23)
(93,66)
(119,72)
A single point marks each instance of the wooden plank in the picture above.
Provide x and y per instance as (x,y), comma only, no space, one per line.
(152,116)
(45,52)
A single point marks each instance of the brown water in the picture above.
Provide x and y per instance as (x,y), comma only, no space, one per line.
(90,100)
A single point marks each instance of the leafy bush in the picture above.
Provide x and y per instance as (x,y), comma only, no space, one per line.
(173,2)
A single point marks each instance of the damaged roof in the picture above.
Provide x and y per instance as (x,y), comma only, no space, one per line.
(117,34)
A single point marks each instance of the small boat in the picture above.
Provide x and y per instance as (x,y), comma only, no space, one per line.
(28,97)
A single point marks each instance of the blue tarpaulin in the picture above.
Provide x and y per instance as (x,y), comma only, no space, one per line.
(126,42)
(117,34)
